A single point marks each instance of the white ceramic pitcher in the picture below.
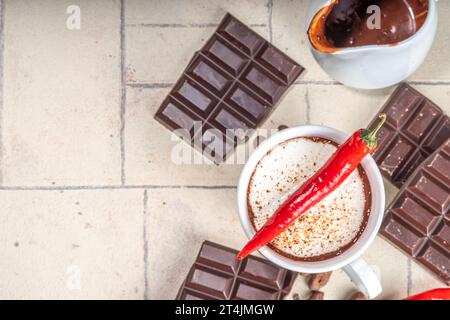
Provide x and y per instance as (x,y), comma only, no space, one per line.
(377,66)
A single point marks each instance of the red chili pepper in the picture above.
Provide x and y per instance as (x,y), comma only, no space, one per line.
(436,294)
(341,164)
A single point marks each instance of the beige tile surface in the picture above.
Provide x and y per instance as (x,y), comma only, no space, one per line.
(344,108)
(160,55)
(422,280)
(341,288)
(436,66)
(194,12)
(289,28)
(186,235)
(349,109)
(71,244)
(61,94)
(186,222)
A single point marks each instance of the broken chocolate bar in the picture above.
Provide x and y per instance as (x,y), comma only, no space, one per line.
(415,128)
(229,87)
(418,220)
(218,275)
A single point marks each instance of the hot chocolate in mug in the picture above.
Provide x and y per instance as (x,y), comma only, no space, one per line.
(350,260)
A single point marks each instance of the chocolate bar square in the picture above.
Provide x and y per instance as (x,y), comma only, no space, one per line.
(217,274)
(230,86)
(415,128)
(417,220)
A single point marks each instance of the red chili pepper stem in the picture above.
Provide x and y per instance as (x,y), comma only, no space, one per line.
(370,136)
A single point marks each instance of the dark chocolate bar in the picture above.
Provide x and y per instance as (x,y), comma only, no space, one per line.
(415,128)
(216,274)
(418,220)
(232,83)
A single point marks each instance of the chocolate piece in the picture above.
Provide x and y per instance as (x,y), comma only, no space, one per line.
(216,274)
(319,280)
(232,83)
(415,128)
(358,296)
(317,295)
(418,220)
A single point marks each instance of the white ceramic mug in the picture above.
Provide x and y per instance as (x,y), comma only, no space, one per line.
(356,268)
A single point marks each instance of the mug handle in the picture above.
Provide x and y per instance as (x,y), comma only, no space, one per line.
(364,277)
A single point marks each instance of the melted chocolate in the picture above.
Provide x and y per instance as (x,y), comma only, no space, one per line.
(349,23)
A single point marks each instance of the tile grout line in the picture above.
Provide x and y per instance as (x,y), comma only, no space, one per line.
(308,106)
(113,187)
(150,85)
(408,277)
(269,18)
(2,28)
(318,82)
(158,85)
(429,82)
(145,238)
(123,93)
(181,25)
